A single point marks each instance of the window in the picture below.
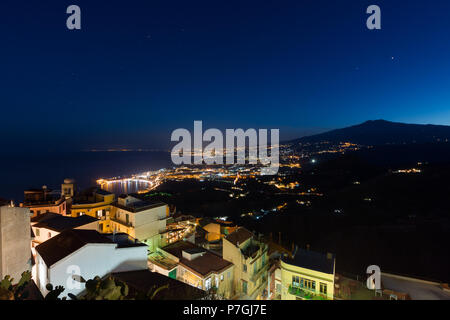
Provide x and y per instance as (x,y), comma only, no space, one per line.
(208,284)
(49,235)
(38,232)
(308,284)
(263,260)
(221,277)
(323,288)
(228,274)
(296,281)
(244,267)
(255,267)
(244,287)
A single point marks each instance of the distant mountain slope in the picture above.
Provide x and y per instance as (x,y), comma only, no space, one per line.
(380,132)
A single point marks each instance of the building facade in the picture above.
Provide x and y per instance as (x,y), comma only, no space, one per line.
(307,275)
(143,220)
(40,201)
(249,256)
(97,204)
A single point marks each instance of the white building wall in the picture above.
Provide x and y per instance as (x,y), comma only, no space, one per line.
(90,261)
(43,234)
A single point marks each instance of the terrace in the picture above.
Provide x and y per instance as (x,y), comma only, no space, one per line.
(349,289)
(305,294)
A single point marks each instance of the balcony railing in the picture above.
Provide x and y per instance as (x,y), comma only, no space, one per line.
(124,223)
(305,293)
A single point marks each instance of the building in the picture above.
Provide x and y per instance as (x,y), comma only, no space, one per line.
(75,256)
(249,255)
(141,282)
(141,219)
(307,275)
(96,203)
(195,266)
(68,188)
(48,225)
(274,281)
(15,239)
(44,200)
(216,229)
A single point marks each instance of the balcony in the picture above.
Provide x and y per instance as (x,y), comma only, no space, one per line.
(259,272)
(305,293)
(128,225)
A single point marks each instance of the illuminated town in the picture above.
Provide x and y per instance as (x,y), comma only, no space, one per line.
(212,256)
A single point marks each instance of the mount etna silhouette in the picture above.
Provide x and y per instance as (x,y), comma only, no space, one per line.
(381,132)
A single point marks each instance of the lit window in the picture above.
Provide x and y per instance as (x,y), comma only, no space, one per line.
(296,281)
(208,284)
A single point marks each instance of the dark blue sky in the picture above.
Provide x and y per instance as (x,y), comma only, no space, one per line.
(139,69)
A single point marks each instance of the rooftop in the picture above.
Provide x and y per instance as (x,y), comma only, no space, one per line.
(67,242)
(135,204)
(61,223)
(202,265)
(162,261)
(141,282)
(311,260)
(123,240)
(239,236)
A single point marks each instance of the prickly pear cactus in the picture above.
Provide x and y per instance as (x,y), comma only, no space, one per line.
(8,291)
(107,289)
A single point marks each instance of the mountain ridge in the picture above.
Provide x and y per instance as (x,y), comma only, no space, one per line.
(380,132)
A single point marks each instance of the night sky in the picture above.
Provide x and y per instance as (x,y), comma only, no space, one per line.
(139,69)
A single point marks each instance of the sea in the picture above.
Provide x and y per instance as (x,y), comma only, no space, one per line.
(20,171)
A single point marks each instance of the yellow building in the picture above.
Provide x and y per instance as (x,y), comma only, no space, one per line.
(249,256)
(142,220)
(97,205)
(307,275)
